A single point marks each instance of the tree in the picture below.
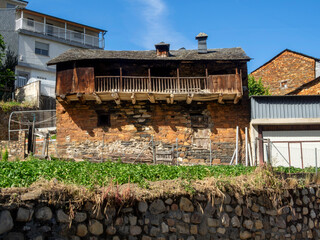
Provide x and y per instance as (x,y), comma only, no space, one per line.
(8,62)
(256,87)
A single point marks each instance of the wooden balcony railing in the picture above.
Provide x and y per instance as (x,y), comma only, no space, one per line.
(130,84)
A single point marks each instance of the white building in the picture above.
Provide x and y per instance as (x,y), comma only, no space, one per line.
(36,38)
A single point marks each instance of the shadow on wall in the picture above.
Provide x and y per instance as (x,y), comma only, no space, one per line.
(161,119)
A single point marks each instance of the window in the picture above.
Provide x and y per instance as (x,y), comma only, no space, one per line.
(30,22)
(103,119)
(284,84)
(9,5)
(42,49)
(199,121)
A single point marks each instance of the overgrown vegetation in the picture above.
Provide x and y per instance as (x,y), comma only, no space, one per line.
(24,173)
(256,87)
(7,68)
(7,106)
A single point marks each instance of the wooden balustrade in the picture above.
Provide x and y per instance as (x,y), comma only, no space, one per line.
(228,83)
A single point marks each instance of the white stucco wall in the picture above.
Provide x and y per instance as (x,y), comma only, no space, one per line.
(27,50)
(35,73)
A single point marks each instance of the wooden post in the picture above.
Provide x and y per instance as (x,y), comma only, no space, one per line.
(120,88)
(237,140)
(260,139)
(246,132)
(149,80)
(178,80)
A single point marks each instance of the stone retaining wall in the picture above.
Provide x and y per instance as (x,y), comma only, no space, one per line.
(292,215)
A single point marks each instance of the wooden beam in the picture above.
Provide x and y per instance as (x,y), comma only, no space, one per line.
(237,98)
(63,98)
(171,98)
(189,98)
(120,79)
(116,98)
(133,98)
(98,99)
(151,98)
(81,99)
(220,99)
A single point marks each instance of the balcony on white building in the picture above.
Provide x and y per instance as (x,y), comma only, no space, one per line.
(70,32)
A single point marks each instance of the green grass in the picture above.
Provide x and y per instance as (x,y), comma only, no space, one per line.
(7,106)
(24,173)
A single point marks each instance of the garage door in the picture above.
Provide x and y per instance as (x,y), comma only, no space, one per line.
(292,148)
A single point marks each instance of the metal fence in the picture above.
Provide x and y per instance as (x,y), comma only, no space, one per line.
(299,154)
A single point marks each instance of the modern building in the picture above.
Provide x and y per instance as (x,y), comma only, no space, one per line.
(162,105)
(290,73)
(285,130)
(37,37)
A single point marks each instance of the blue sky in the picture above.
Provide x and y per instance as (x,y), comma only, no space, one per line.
(262,28)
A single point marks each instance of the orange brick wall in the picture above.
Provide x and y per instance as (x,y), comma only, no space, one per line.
(133,125)
(294,68)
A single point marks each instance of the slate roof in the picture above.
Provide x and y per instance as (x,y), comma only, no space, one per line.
(90,54)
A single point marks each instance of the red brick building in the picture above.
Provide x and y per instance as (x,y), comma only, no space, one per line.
(290,72)
(153,106)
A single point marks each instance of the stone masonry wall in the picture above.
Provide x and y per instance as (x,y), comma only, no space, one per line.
(291,67)
(133,126)
(294,214)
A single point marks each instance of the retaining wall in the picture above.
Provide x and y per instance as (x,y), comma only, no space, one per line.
(293,214)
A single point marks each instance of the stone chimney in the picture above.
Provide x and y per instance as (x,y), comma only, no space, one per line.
(162,49)
(202,42)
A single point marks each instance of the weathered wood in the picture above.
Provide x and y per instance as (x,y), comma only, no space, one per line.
(120,79)
(151,98)
(81,98)
(189,98)
(116,98)
(171,98)
(220,98)
(97,97)
(237,98)
(133,98)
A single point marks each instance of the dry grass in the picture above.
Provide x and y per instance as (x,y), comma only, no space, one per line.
(54,192)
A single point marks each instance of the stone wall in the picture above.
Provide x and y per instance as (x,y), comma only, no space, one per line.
(311,88)
(293,214)
(291,67)
(187,129)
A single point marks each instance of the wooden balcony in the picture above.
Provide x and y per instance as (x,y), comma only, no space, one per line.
(213,87)
(227,87)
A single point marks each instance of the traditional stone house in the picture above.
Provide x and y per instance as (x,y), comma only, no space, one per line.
(290,73)
(154,106)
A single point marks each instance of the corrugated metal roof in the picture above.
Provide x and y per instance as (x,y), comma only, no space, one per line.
(265,107)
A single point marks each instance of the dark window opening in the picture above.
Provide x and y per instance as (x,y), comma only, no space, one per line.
(199,121)
(103,119)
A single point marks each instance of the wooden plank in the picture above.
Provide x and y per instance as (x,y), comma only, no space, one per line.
(97,97)
(84,79)
(133,98)
(120,87)
(189,98)
(151,98)
(237,98)
(220,98)
(116,98)
(64,81)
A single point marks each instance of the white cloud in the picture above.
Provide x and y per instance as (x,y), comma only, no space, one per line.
(156,27)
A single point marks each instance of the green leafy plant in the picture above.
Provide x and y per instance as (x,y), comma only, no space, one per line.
(5,155)
(257,87)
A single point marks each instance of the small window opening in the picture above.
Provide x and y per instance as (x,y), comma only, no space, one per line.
(199,121)
(284,84)
(103,119)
